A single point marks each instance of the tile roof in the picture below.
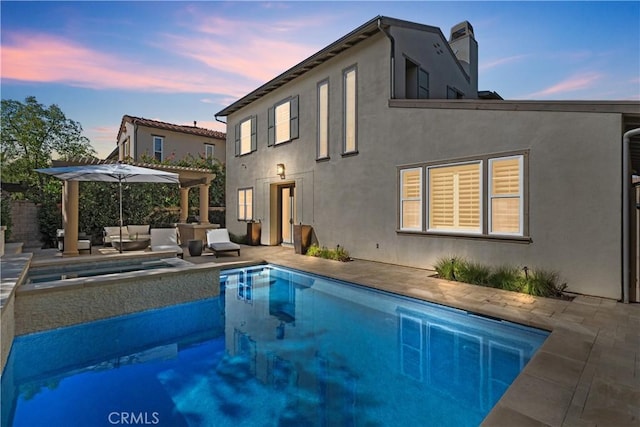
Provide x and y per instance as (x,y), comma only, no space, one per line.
(194,130)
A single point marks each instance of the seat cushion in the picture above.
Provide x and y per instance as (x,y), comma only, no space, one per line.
(138,229)
(84,245)
(224,246)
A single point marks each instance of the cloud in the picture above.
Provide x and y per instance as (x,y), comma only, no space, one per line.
(571,84)
(256,51)
(103,138)
(502,61)
(42,58)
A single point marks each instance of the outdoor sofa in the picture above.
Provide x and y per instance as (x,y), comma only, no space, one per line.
(133,232)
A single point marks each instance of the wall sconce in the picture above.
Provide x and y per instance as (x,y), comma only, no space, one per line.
(280,170)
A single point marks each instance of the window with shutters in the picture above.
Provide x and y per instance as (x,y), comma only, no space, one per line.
(350,119)
(411,199)
(245,136)
(505,195)
(245,204)
(283,121)
(482,196)
(455,197)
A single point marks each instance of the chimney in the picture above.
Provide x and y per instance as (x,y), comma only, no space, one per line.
(464,46)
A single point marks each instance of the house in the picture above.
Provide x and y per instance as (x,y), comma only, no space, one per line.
(139,137)
(381,142)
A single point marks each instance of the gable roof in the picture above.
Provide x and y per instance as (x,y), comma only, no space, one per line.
(363,32)
(192,130)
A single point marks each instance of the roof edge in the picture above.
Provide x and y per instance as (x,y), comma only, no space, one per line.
(362,32)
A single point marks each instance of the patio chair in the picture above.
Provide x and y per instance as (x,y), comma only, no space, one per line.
(165,239)
(218,241)
(84,243)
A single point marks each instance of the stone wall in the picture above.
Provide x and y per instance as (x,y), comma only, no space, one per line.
(26,229)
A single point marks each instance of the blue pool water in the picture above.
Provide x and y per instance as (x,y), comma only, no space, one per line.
(277,348)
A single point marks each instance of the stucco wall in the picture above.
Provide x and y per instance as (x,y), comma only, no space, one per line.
(258,169)
(573,182)
(430,51)
(176,145)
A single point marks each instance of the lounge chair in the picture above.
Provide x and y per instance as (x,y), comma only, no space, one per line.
(165,239)
(218,241)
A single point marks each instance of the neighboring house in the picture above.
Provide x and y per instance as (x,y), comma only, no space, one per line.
(361,142)
(140,137)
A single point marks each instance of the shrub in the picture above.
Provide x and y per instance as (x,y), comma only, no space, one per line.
(474,273)
(446,267)
(536,282)
(314,250)
(338,254)
(506,277)
(543,283)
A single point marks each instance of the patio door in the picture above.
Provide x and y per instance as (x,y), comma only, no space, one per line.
(287,213)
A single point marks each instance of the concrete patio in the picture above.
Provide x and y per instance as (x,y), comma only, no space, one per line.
(587,373)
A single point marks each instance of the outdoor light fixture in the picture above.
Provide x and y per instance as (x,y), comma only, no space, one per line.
(280,170)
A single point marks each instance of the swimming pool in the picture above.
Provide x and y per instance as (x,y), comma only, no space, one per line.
(278,347)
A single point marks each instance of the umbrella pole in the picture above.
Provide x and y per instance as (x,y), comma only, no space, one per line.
(121,223)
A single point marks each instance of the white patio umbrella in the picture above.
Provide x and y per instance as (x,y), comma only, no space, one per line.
(113,172)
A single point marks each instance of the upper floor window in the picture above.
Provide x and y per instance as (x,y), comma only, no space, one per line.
(209,151)
(245,204)
(283,121)
(245,136)
(322,151)
(350,120)
(158,142)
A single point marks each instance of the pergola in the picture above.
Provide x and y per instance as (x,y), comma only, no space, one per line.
(188,177)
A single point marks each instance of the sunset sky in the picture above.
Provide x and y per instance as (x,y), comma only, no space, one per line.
(185,61)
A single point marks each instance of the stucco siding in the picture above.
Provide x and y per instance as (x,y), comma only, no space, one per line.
(176,145)
(431,52)
(573,189)
(258,169)
(572,186)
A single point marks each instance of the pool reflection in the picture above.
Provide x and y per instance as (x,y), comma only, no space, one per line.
(347,357)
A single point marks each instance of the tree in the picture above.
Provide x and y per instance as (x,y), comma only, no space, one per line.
(30,135)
